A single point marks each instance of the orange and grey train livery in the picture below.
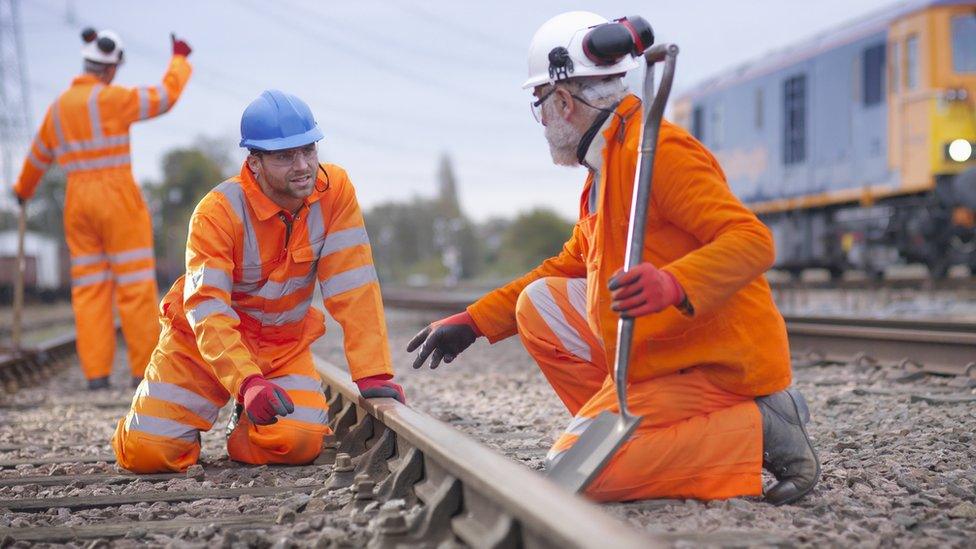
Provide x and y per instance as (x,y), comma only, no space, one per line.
(857,147)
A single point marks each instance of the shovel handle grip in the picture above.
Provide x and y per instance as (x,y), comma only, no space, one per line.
(654,110)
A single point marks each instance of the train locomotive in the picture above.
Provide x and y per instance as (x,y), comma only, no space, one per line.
(858,147)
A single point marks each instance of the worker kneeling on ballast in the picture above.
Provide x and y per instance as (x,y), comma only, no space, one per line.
(710,357)
(239,323)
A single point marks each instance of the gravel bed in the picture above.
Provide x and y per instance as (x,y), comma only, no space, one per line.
(62,419)
(897,470)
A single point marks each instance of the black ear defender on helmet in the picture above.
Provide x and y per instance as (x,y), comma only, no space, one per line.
(606,44)
(88,35)
(105,44)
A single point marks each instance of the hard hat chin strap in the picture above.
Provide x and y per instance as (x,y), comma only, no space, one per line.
(587,139)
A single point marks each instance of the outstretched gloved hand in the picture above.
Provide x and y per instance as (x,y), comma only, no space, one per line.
(380,385)
(444,339)
(644,290)
(180,47)
(264,401)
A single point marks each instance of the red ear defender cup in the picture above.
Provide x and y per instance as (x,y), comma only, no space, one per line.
(88,35)
(606,44)
(107,45)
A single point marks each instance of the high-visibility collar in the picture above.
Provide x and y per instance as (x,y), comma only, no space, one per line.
(264,207)
(85,79)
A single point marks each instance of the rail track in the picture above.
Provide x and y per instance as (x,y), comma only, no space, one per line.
(919,347)
(400,476)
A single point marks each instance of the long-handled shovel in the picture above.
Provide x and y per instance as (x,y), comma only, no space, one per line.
(600,441)
(19,279)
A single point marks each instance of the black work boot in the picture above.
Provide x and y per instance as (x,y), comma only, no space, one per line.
(787,451)
(98,383)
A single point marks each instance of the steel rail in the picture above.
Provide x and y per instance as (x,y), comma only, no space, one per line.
(496,502)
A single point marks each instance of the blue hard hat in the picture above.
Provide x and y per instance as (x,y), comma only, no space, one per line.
(277,120)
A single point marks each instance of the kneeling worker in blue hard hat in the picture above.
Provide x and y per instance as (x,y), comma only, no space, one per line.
(240,322)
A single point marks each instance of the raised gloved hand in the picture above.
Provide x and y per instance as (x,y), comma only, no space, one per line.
(644,290)
(264,401)
(444,339)
(380,385)
(180,47)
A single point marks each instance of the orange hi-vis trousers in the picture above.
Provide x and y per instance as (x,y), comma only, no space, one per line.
(109,234)
(180,396)
(695,440)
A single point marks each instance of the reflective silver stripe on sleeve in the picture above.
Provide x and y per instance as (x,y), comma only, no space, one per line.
(545,304)
(93,113)
(143,103)
(58,132)
(207,308)
(348,280)
(341,240)
(164,104)
(98,163)
(37,162)
(88,280)
(131,255)
(160,426)
(82,260)
(315,223)
(277,290)
(307,414)
(175,394)
(136,276)
(206,276)
(252,256)
(42,147)
(295,382)
(91,145)
(290,316)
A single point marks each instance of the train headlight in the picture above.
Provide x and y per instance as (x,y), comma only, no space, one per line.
(960,150)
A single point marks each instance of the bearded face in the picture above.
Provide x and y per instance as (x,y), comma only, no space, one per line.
(562,136)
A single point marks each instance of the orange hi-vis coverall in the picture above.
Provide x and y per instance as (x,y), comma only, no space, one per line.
(693,373)
(106,222)
(244,308)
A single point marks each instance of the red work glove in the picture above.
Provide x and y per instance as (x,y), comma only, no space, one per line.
(643,290)
(264,401)
(380,385)
(445,339)
(180,47)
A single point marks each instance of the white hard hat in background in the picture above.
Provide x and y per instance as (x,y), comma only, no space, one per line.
(567,31)
(101,47)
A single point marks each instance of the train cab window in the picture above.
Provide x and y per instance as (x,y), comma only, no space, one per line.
(911,62)
(964,43)
(894,76)
(794,119)
(698,124)
(873,63)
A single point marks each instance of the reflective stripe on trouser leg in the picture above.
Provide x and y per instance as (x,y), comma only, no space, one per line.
(551,316)
(695,441)
(295,438)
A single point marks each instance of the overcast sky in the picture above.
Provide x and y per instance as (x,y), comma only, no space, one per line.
(393,84)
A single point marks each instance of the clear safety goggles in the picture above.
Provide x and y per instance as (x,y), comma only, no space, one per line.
(287,157)
(536,106)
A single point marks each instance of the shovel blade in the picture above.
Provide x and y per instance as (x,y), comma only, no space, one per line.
(581,464)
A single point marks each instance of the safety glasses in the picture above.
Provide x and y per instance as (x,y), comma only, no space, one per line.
(285,158)
(536,106)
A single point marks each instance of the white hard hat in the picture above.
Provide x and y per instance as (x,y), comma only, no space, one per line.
(567,31)
(101,47)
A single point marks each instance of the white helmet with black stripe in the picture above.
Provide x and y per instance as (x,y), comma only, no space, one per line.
(103,47)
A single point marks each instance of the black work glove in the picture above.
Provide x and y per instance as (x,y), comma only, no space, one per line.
(444,339)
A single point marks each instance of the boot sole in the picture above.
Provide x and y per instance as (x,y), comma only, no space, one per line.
(816,459)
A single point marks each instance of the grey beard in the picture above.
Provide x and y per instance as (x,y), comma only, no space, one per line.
(563,140)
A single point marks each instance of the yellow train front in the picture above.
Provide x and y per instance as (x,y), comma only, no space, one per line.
(858,147)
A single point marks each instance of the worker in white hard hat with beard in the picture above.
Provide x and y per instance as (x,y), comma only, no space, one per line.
(710,360)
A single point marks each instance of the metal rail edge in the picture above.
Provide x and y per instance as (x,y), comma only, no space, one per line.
(468,491)
(33,365)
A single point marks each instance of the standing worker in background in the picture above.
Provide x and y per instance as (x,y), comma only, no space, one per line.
(106,222)
(239,323)
(710,357)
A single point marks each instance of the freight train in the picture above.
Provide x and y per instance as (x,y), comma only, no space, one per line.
(857,147)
